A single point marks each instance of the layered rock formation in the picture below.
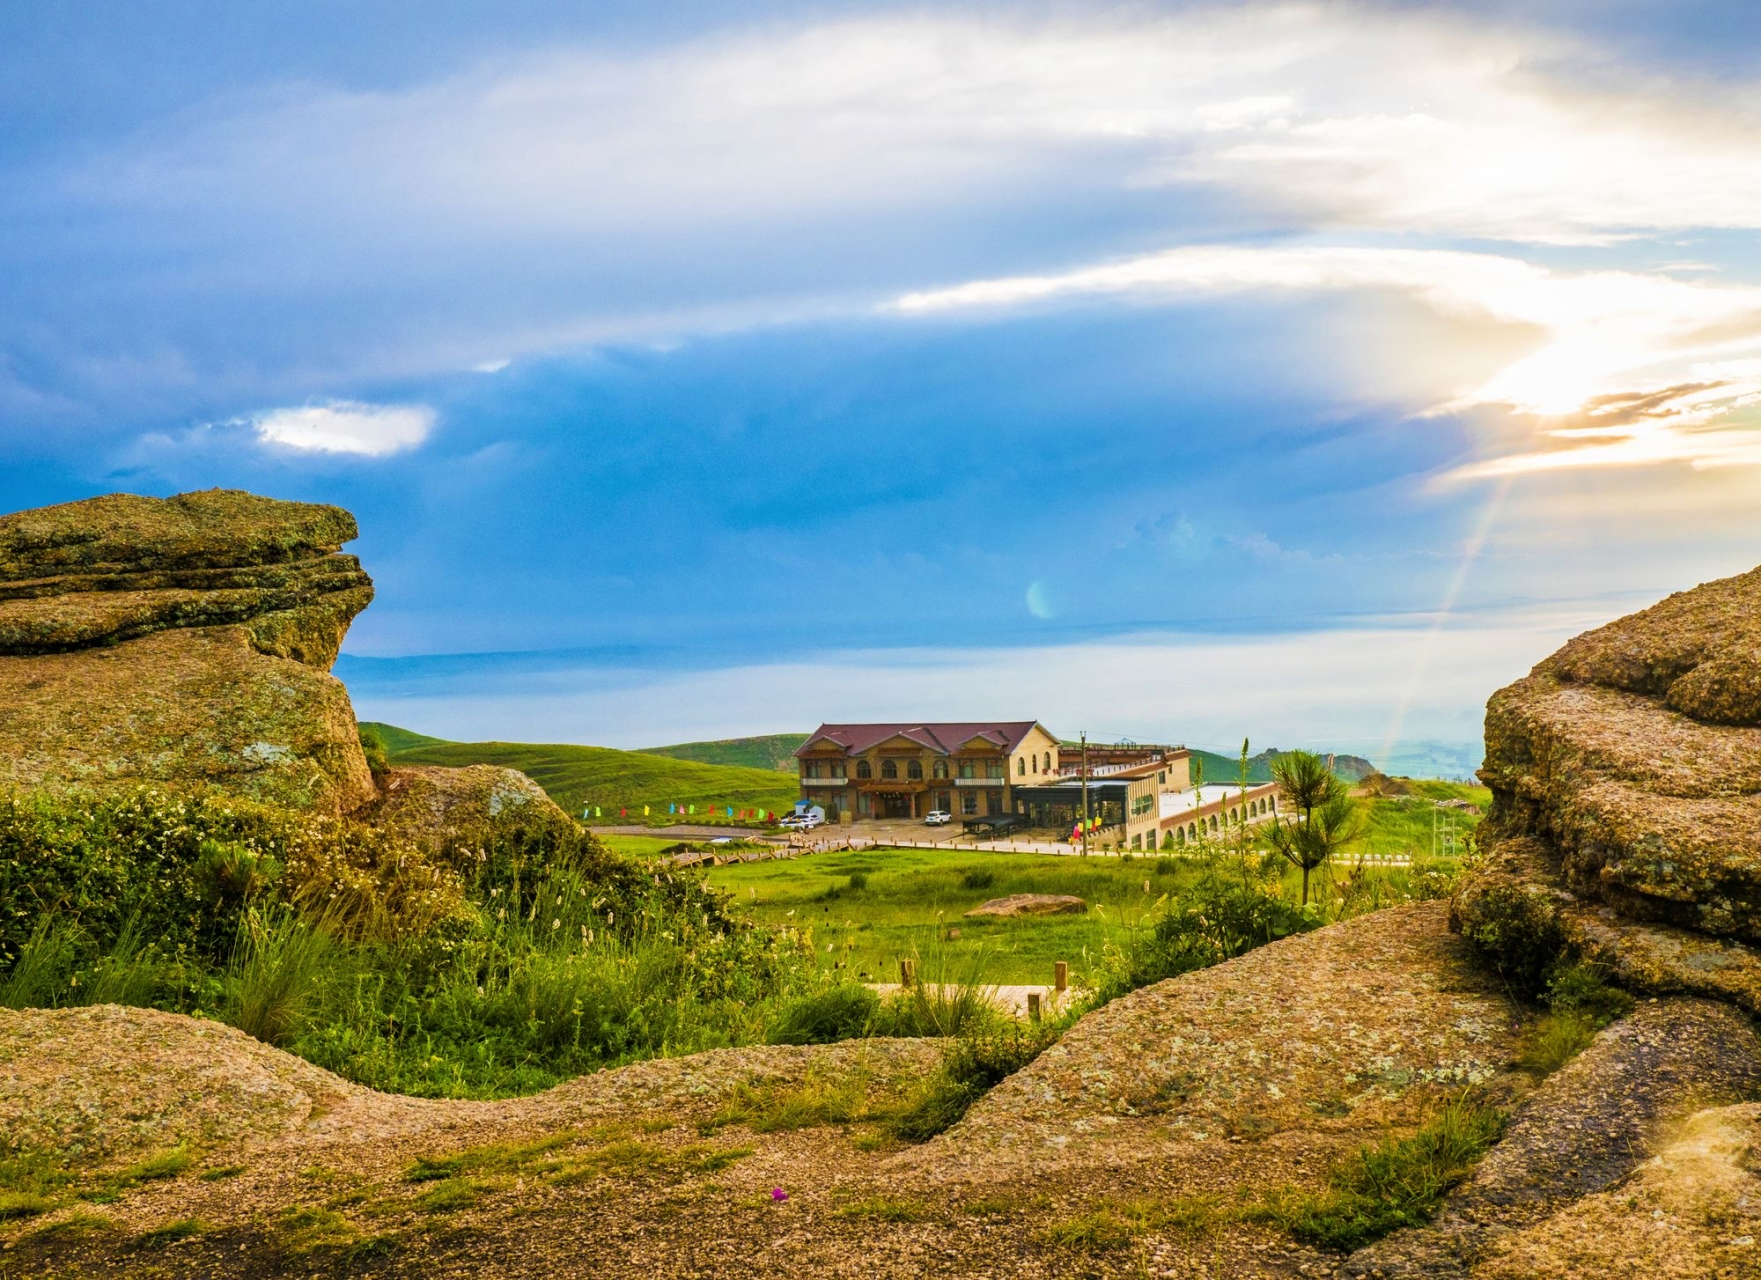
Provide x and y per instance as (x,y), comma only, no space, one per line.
(1626,817)
(181,640)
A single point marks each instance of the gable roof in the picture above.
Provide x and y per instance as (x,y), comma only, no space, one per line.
(943,738)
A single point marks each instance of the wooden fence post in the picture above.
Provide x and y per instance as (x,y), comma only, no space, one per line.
(907,972)
(1033,1005)
(1061,976)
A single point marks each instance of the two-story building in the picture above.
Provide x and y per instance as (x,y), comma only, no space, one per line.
(905,770)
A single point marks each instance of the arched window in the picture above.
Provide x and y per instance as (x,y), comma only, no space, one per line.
(914,769)
(1213,822)
(1021,766)
(1046,765)
(1179,835)
(940,769)
(862,770)
(889,769)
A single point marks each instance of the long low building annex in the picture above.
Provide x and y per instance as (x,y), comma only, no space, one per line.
(1018,774)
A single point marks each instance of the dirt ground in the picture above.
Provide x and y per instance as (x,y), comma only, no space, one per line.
(1122,1151)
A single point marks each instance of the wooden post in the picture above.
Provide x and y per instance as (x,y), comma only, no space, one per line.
(1033,1005)
(907,972)
(1061,976)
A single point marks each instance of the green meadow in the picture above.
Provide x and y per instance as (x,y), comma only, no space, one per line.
(867,909)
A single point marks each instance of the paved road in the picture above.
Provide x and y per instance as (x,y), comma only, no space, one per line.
(687,832)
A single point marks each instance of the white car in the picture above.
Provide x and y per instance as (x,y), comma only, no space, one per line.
(800,821)
(938,817)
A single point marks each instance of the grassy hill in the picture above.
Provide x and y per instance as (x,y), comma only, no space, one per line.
(767,751)
(396,739)
(576,776)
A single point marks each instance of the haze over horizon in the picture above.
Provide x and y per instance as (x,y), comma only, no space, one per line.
(1303,371)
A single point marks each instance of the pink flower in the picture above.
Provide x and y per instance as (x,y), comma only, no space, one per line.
(778,1194)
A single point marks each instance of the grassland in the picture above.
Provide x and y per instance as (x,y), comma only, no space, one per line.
(869,908)
(1413,824)
(576,776)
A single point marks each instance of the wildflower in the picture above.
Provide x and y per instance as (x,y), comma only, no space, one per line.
(554,925)
(778,1195)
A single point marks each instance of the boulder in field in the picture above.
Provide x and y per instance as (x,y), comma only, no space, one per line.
(1031,904)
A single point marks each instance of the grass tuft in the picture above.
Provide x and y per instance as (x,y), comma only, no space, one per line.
(171,1233)
(886,1209)
(23,1204)
(1398,1183)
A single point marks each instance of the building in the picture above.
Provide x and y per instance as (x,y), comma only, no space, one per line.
(970,770)
(1015,772)
(1144,799)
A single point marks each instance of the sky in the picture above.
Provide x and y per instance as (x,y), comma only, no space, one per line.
(1172,372)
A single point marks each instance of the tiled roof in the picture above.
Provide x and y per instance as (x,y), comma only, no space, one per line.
(944,739)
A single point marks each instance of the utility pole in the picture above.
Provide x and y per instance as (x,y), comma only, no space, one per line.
(1085,793)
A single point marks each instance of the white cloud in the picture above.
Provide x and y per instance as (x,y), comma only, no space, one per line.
(346,426)
(1621,354)
(490,366)
(1326,113)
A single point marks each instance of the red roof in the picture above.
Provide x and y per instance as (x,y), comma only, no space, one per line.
(943,739)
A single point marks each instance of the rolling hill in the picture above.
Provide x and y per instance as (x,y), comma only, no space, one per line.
(576,776)
(768,751)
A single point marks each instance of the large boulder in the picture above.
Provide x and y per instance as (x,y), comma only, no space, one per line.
(181,640)
(1626,817)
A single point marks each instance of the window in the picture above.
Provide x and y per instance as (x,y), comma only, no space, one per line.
(889,769)
(811,769)
(1021,767)
(862,770)
(1179,836)
(995,769)
(914,769)
(969,802)
(1192,830)
(940,768)
(968,769)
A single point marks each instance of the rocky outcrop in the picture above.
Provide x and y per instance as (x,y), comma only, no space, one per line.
(181,640)
(1626,817)
(1585,1131)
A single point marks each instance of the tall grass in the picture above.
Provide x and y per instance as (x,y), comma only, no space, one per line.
(278,974)
(40,976)
(129,972)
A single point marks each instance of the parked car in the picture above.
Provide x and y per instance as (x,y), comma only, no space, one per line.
(800,821)
(938,817)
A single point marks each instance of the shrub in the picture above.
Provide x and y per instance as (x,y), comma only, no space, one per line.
(836,1013)
(978,878)
(1220,918)
(1516,930)
(373,747)
(858,880)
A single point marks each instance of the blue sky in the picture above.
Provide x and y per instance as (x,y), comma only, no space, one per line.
(1171,371)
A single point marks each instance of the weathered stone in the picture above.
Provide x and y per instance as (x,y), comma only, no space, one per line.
(199,707)
(181,640)
(424,799)
(1634,757)
(1031,904)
